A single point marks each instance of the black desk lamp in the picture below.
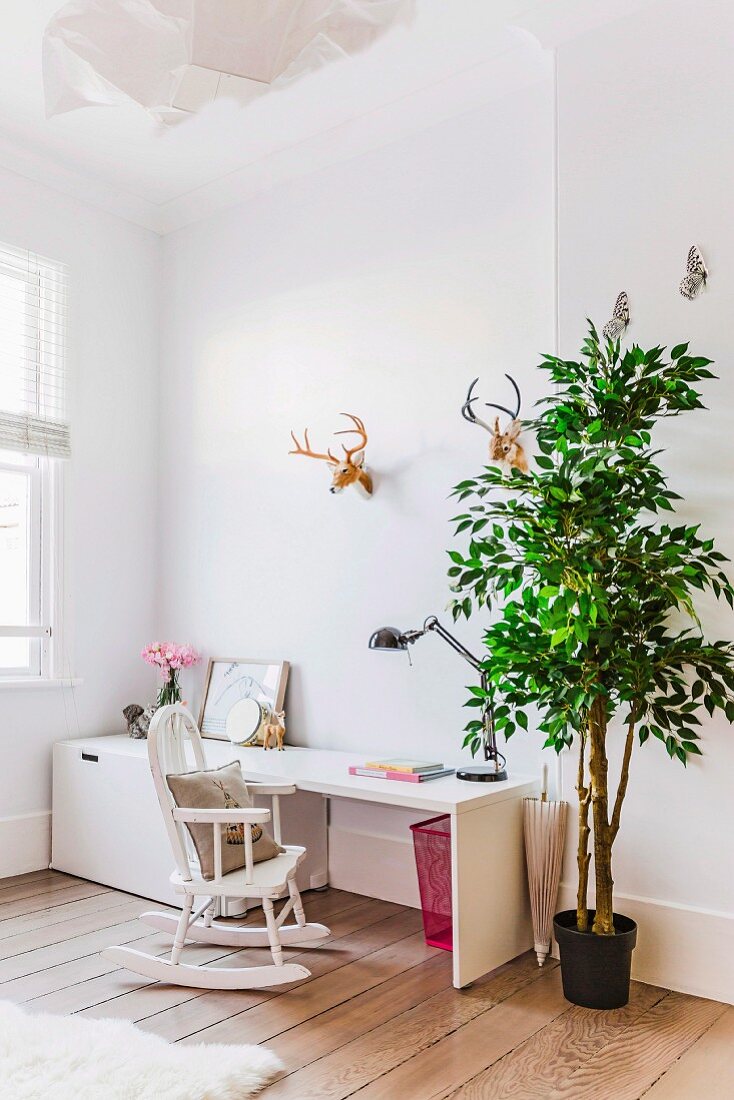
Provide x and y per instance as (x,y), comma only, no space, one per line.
(388,639)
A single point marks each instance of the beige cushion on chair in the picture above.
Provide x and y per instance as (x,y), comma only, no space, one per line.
(221,789)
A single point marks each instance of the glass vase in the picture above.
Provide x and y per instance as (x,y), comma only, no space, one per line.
(171,691)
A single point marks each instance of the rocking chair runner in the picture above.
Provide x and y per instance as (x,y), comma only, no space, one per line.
(267,880)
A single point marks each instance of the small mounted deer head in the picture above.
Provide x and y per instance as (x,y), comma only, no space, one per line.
(503,445)
(350,470)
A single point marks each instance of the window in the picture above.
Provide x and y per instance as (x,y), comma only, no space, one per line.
(34,438)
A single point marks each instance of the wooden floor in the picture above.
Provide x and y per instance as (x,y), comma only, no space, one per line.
(379,1017)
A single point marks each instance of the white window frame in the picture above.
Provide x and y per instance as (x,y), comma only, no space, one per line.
(45,536)
(45,570)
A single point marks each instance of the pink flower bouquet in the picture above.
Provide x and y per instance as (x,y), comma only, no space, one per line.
(169,658)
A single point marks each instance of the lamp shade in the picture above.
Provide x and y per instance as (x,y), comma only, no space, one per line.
(388,638)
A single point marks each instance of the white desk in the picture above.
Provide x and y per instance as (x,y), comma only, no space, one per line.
(490,907)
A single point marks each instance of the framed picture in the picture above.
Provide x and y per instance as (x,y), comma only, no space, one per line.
(229,680)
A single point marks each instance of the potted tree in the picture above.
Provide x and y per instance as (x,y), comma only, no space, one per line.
(595,622)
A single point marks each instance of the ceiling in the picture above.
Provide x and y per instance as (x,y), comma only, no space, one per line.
(453,56)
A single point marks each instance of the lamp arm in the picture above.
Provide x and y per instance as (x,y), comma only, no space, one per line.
(489,740)
(433,624)
(390,638)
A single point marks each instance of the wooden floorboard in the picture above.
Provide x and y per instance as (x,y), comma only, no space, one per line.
(379,1018)
(327,1032)
(32,897)
(29,876)
(706,1069)
(627,1066)
(343,970)
(407,1038)
(57,914)
(542,1063)
(74,926)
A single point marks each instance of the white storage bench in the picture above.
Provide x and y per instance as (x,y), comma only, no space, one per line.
(107,824)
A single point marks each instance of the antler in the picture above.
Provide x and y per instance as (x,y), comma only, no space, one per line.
(468,412)
(513,415)
(359,430)
(328,457)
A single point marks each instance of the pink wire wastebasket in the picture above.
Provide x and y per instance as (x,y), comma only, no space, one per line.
(432,843)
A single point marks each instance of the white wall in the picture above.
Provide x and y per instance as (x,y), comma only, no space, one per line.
(381,287)
(111,491)
(645,171)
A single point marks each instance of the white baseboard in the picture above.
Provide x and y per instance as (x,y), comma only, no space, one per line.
(377,866)
(25,843)
(678,947)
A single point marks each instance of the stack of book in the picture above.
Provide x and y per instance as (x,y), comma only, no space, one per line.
(404,771)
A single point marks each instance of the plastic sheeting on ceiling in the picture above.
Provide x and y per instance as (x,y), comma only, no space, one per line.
(173,57)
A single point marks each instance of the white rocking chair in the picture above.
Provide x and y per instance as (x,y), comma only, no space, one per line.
(268,880)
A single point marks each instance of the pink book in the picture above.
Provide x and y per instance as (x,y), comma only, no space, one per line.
(400,777)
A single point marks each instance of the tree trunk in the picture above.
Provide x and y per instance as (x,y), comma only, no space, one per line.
(598,768)
(583,856)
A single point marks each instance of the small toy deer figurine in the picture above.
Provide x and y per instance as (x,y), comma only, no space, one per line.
(503,445)
(351,470)
(275,729)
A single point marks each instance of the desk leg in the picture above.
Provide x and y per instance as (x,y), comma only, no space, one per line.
(491,910)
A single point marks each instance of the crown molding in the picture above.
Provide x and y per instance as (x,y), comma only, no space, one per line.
(563,20)
(43,168)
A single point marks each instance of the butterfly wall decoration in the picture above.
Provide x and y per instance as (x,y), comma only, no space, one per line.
(696,274)
(620,318)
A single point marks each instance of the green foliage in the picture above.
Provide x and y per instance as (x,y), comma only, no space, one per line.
(588,583)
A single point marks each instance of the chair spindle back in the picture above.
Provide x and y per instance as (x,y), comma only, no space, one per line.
(171,729)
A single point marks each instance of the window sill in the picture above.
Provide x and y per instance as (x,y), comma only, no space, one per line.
(28,684)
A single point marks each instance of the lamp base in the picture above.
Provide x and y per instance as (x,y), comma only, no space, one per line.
(481,773)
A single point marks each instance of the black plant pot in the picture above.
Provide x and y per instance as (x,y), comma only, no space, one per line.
(595,969)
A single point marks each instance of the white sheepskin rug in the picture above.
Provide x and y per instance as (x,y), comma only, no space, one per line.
(72,1058)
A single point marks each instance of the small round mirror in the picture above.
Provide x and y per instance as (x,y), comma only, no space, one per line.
(243,721)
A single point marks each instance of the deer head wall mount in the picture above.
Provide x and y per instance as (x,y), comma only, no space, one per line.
(503,445)
(349,470)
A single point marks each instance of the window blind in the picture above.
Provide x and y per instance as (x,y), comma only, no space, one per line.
(33,354)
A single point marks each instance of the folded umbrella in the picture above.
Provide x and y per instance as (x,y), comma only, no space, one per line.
(545,830)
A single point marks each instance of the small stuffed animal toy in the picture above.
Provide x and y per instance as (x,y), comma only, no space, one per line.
(138,720)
